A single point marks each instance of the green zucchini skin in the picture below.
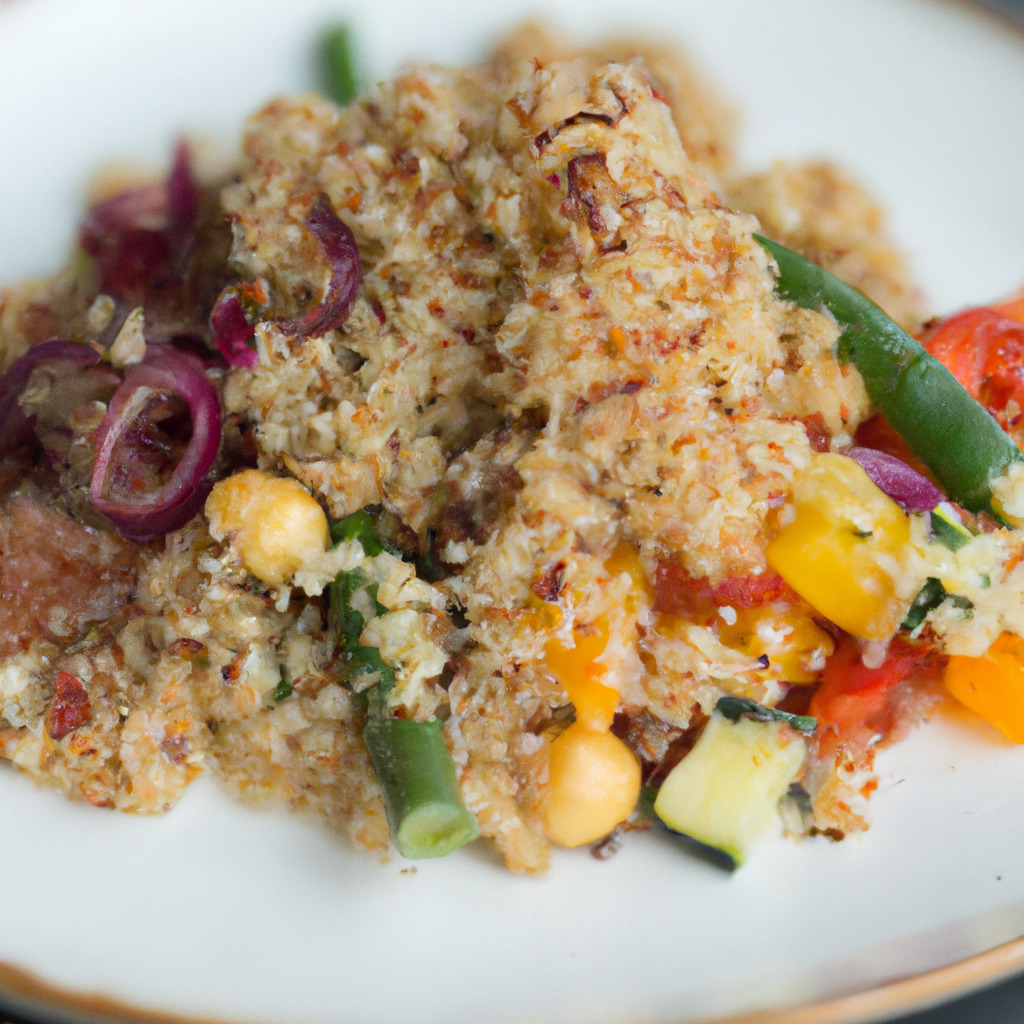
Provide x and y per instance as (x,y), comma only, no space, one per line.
(725,793)
(950,432)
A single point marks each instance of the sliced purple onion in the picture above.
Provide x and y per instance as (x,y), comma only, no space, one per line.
(339,246)
(232,332)
(182,191)
(908,488)
(136,236)
(15,426)
(138,514)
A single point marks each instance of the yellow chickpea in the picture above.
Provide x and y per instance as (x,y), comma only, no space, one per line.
(274,523)
(593,785)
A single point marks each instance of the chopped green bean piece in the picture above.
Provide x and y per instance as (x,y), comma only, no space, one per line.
(944,426)
(418,784)
(338,68)
(415,770)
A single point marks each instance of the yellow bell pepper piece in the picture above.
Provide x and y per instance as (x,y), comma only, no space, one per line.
(993,685)
(593,777)
(796,646)
(576,669)
(842,548)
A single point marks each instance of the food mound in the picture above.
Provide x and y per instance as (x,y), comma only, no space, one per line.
(470,462)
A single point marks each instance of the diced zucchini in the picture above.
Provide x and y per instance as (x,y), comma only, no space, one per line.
(725,793)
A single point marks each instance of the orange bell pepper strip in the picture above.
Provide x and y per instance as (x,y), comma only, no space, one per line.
(993,685)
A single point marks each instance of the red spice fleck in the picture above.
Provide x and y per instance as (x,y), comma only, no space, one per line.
(549,586)
(232,672)
(817,432)
(187,648)
(69,708)
(175,745)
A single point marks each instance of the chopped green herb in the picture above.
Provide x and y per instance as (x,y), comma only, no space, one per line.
(360,658)
(735,708)
(929,597)
(947,530)
(358,526)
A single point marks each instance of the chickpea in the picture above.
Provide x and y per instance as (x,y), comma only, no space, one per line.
(274,523)
(593,785)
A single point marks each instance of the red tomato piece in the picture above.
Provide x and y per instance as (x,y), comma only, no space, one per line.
(860,704)
(69,708)
(678,593)
(984,350)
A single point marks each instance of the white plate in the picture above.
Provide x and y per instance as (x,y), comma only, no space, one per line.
(221,912)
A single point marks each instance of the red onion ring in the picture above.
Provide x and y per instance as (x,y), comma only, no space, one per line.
(15,426)
(182,191)
(339,246)
(908,488)
(232,332)
(139,235)
(144,516)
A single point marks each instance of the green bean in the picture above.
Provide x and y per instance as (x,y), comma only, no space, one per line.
(337,65)
(411,760)
(418,784)
(952,434)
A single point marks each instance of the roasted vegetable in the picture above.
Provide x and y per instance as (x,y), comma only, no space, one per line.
(725,793)
(412,762)
(955,437)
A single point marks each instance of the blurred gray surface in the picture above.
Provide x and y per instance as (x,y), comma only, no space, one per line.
(1013,7)
(999,1004)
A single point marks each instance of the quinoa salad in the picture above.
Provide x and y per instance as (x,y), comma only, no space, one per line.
(486,456)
